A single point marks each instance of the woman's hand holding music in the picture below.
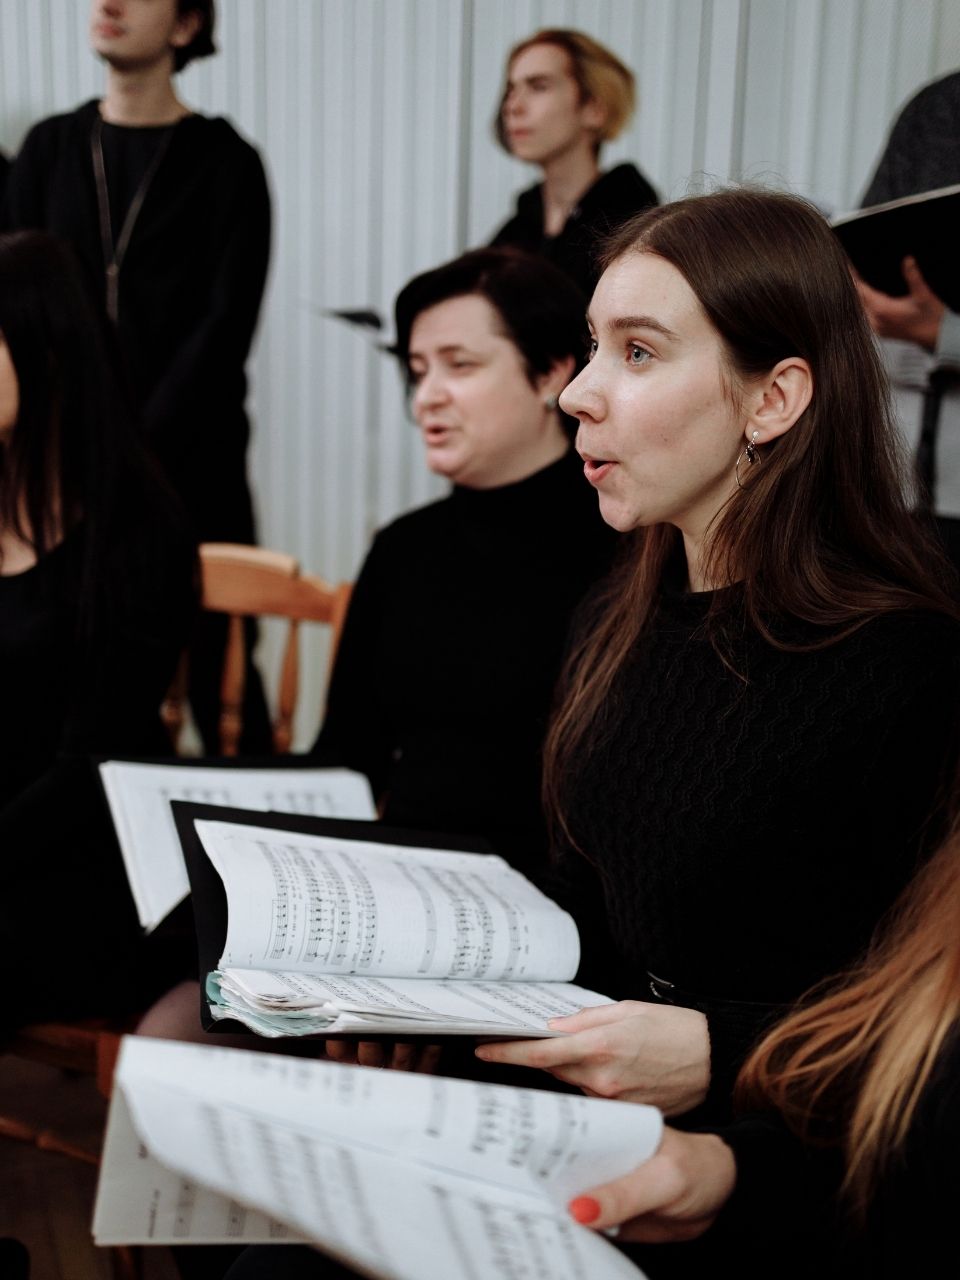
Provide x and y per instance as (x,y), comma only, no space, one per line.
(675,1195)
(631,1051)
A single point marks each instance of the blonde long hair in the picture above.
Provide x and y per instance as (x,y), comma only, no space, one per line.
(864,1053)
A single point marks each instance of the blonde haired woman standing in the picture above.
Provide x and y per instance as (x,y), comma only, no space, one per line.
(564,96)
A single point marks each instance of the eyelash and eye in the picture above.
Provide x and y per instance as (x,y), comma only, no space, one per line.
(637,356)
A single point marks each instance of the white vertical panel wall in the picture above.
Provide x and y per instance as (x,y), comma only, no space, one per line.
(374,120)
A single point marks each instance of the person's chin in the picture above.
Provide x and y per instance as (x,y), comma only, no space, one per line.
(528,150)
(443,462)
(616,515)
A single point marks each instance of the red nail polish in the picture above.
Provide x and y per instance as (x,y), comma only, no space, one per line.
(584,1209)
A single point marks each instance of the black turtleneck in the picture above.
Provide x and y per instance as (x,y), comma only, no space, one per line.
(451,649)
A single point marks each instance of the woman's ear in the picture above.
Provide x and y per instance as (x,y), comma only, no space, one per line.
(187,27)
(593,114)
(775,402)
(559,376)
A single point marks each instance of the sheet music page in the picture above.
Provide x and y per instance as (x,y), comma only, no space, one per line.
(140,1201)
(323,905)
(139,796)
(412,1005)
(410,1176)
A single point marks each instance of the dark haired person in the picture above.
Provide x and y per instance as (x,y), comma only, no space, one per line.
(761,711)
(457,622)
(169,214)
(97,598)
(564,96)
(923,154)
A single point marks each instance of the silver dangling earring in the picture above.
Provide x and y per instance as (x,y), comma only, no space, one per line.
(550,403)
(752,455)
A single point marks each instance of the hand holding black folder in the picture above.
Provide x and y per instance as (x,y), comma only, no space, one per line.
(922,226)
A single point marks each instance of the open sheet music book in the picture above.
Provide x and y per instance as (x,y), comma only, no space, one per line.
(402,1176)
(922,226)
(328,931)
(139,796)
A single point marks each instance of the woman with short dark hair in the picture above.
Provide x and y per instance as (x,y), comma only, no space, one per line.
(456,628)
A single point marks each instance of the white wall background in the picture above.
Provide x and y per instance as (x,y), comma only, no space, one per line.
(374,120)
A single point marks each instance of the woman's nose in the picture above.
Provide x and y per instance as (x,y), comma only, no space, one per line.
(430,390)
(513,104)
(581,398)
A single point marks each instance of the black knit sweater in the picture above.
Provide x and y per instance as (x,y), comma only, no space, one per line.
(749,833)
(66,912)
(189,288)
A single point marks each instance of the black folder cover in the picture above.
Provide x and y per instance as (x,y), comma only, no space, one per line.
(209,896)
(923,226)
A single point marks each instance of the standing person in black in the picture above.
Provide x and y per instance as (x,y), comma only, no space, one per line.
(761,713)
(97,599)
(457,623)
(923,154)
(169,214)
(565,95)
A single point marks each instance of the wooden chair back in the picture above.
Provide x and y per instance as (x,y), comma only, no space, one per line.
(254,582)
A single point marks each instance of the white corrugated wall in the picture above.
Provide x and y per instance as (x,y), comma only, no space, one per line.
(374,120)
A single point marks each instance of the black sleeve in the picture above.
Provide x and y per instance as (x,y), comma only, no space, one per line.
(786,1191)
(575,885)
(23,199)
(127,683)
(355,731)
(893,176)
(115,709)
(920,154)
(213,353)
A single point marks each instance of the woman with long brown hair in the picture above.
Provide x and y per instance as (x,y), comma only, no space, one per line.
(760,717)
(97,597)
(858,1092)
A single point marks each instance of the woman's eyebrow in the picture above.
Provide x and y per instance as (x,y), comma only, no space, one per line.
(641,322)
(445,350)
(538,78)
(619,323)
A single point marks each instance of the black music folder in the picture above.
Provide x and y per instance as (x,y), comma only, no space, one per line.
(922,226)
